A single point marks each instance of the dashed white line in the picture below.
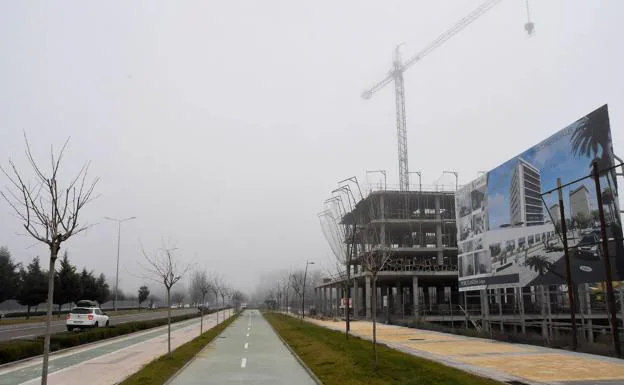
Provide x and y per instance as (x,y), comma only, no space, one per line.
(243,362)
(20,337)
(247,334)
(246,345)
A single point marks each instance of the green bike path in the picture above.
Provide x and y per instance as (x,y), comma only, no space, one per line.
(247,352)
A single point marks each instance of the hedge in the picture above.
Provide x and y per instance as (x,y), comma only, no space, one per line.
(20,349)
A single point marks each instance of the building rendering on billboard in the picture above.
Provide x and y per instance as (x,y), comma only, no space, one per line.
(504,224)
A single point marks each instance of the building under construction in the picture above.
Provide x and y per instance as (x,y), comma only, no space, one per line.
(418,230)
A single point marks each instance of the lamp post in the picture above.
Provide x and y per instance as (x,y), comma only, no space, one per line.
(456,177)
(119,222)
(419,178)
(383,172)
(305,274)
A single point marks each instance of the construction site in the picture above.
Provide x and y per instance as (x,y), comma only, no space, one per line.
(437,255)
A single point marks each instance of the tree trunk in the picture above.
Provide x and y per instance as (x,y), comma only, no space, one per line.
(217,301)
(201,322)
(169,321)
(375,319)
(46,341)
(28,312)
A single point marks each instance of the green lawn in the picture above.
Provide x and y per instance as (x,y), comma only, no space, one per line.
(161,369)
(337,361)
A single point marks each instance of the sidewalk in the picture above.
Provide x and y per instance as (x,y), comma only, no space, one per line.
(107,362)
(498,360)
(249,352)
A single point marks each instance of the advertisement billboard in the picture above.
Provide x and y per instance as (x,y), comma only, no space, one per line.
(509,231)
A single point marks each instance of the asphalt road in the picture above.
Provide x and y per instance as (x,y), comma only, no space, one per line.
(247,352)
(30,330)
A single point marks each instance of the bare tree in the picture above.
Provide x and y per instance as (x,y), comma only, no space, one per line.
(49,214)
(200,287)
(163,268)
(373,262)
(374,258)
(217,288)
(342,244)
(297,284)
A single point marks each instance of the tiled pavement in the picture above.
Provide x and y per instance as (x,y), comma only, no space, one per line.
(502,361)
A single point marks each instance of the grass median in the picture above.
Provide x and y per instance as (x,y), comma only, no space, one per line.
(20,349)
(337,361)
(161,369)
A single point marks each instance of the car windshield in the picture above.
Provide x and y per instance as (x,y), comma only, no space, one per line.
(81,310)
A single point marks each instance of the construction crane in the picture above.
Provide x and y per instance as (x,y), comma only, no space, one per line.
(396,74)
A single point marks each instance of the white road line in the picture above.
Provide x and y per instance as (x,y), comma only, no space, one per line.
(20,337)
(247,334)
(243,362)
(246,345)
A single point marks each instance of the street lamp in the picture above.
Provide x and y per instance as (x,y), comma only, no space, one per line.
(381,172)
(419,178)
(303,292)
(119,221)
(456,177)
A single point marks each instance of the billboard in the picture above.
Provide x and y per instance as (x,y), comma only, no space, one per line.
(509,233)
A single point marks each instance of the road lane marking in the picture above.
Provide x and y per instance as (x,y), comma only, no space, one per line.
(243,362)
(247,334)
(20,337)
(246,345)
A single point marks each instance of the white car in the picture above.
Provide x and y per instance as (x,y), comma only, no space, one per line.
(86,317)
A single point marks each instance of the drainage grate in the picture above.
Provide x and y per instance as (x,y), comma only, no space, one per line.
(516,383)
(416,339)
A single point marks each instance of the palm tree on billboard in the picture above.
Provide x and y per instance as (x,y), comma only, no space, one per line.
(591,138)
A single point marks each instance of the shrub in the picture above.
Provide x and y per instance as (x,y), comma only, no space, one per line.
(20,349)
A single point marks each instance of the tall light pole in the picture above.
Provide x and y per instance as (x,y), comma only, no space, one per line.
(419,179)
(456,177)
(305,275)
(119,222)
(383,172)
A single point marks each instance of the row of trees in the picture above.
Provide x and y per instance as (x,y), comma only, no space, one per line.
(28,284)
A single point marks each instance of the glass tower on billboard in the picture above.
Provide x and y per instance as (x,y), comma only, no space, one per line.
(524,195)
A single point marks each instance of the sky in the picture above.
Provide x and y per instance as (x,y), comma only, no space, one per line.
(223,126)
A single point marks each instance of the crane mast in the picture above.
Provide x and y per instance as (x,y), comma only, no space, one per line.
(396,75)
(401,122)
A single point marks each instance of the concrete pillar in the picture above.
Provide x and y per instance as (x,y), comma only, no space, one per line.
(521,308)
(382,208)
(355,296)
(440,254)
(500,308)
(368,292)
(485,310)
(331,300)
(400,304)
(416,297)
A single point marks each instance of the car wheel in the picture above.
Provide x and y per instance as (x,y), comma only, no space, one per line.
(70,328)
(107,324)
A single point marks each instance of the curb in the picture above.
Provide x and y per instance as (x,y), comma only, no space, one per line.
(303,364)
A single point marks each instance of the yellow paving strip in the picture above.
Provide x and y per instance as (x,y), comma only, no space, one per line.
(524,361)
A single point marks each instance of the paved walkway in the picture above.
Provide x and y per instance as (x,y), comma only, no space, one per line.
(248,352)
(498,360)
(106,362)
